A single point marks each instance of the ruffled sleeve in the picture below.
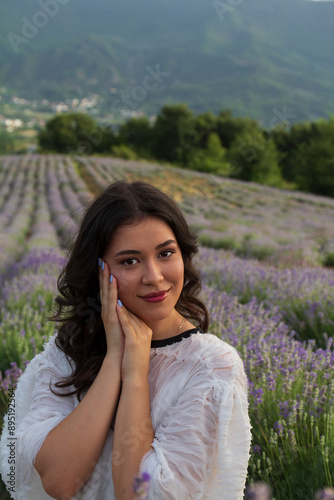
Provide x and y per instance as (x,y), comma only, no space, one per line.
(201,446)
(37,412)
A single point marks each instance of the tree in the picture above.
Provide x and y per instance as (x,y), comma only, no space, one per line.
(105,139)
(174,134)
(205,124)
(70,132)
(137,133)
(314,161)
(254,158)
(229,127)
(212,158)
(289,141)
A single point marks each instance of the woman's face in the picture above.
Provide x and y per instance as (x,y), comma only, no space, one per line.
(147,262)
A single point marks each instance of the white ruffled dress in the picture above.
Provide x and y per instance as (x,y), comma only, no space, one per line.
(199,410)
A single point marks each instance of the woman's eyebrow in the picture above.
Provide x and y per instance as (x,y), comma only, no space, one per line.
(137,252)
(127,252)
(165,244)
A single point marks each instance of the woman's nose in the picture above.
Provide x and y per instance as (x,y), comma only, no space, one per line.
(152,273)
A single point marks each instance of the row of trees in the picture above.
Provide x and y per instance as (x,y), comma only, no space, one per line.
(300,156)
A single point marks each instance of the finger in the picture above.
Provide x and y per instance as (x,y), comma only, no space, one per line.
(112,297)
(139,322)
(101,283)
(124,318)
(100,276)
(129,320)
(105,284)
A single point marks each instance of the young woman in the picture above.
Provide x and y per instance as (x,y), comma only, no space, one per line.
(131,383)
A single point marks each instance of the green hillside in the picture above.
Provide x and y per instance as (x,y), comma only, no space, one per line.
(256,57)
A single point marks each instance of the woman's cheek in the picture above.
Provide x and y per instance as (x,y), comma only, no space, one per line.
(122,284)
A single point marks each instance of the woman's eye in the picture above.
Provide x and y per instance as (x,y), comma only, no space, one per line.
(129,262)
(167,253)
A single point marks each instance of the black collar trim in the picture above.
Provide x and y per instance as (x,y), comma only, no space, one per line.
(176,338)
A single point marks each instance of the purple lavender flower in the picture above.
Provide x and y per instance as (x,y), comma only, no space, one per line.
(258,491)
(326,494)
(141,485)
(11,377)
(258,396)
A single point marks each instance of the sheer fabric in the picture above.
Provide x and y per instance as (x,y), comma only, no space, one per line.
(199,410)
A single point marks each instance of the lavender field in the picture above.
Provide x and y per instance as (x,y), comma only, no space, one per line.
(266,260)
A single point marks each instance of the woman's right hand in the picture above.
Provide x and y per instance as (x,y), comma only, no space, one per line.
(108,293)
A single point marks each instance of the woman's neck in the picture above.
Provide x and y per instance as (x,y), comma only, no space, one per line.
(169,327)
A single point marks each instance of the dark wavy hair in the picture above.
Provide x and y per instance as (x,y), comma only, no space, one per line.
(81,334)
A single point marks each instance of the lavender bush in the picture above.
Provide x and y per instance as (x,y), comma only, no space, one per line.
(304,296)
(28,289)
(291,395)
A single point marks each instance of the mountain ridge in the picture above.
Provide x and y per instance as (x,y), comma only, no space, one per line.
(254,57)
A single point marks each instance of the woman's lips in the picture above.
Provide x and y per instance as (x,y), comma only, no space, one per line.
(156,297)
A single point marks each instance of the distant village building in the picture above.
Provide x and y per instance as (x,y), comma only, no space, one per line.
(12,124)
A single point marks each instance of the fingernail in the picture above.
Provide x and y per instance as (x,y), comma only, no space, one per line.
(119,303)
(99,261)
(102,266)
(111,278)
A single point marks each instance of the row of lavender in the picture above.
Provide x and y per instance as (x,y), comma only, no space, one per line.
(16,207)
(303,296)
(41,200)
(291,395)
(255,308)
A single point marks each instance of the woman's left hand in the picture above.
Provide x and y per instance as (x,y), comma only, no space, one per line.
(138,336)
